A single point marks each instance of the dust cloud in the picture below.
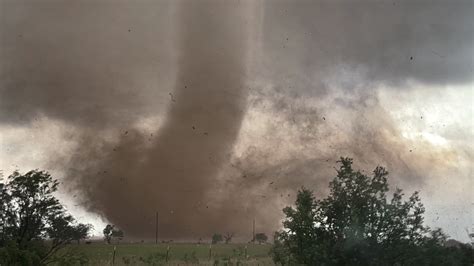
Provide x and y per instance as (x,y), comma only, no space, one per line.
(213,113)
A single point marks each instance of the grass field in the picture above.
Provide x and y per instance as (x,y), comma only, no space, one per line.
(174,254)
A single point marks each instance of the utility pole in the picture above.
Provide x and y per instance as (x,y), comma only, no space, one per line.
(253,231)
(156,228)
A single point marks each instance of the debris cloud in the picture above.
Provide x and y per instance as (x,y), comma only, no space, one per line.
(214,113)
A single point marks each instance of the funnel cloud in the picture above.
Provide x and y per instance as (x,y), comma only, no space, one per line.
(172,174)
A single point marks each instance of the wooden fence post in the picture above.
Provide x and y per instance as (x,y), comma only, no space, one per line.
(113,256)
(210,251)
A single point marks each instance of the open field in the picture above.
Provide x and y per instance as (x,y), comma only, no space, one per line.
(174,254)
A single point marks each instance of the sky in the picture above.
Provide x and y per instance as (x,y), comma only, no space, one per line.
(215,113)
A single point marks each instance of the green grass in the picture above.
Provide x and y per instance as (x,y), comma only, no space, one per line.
(179,254)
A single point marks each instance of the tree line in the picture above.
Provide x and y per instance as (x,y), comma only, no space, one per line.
(358,223)
(34,226)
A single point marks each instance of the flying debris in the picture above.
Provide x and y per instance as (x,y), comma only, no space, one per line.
(243,84)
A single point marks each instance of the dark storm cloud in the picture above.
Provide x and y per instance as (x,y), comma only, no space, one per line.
(339,52)
(83,62)
(391,41)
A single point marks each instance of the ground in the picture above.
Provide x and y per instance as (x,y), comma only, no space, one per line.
(178,254)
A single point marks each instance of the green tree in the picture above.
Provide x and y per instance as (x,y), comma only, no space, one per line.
(228,237)
(357,224)
(110,232)
(117,234)
(29,215)
(217,238)
(81,231)
(261,238)
(300,236)
(280,251)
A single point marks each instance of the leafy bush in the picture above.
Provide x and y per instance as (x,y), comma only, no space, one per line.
(30,214)
(358,225)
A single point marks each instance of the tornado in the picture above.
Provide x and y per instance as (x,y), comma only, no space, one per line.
(173,174)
